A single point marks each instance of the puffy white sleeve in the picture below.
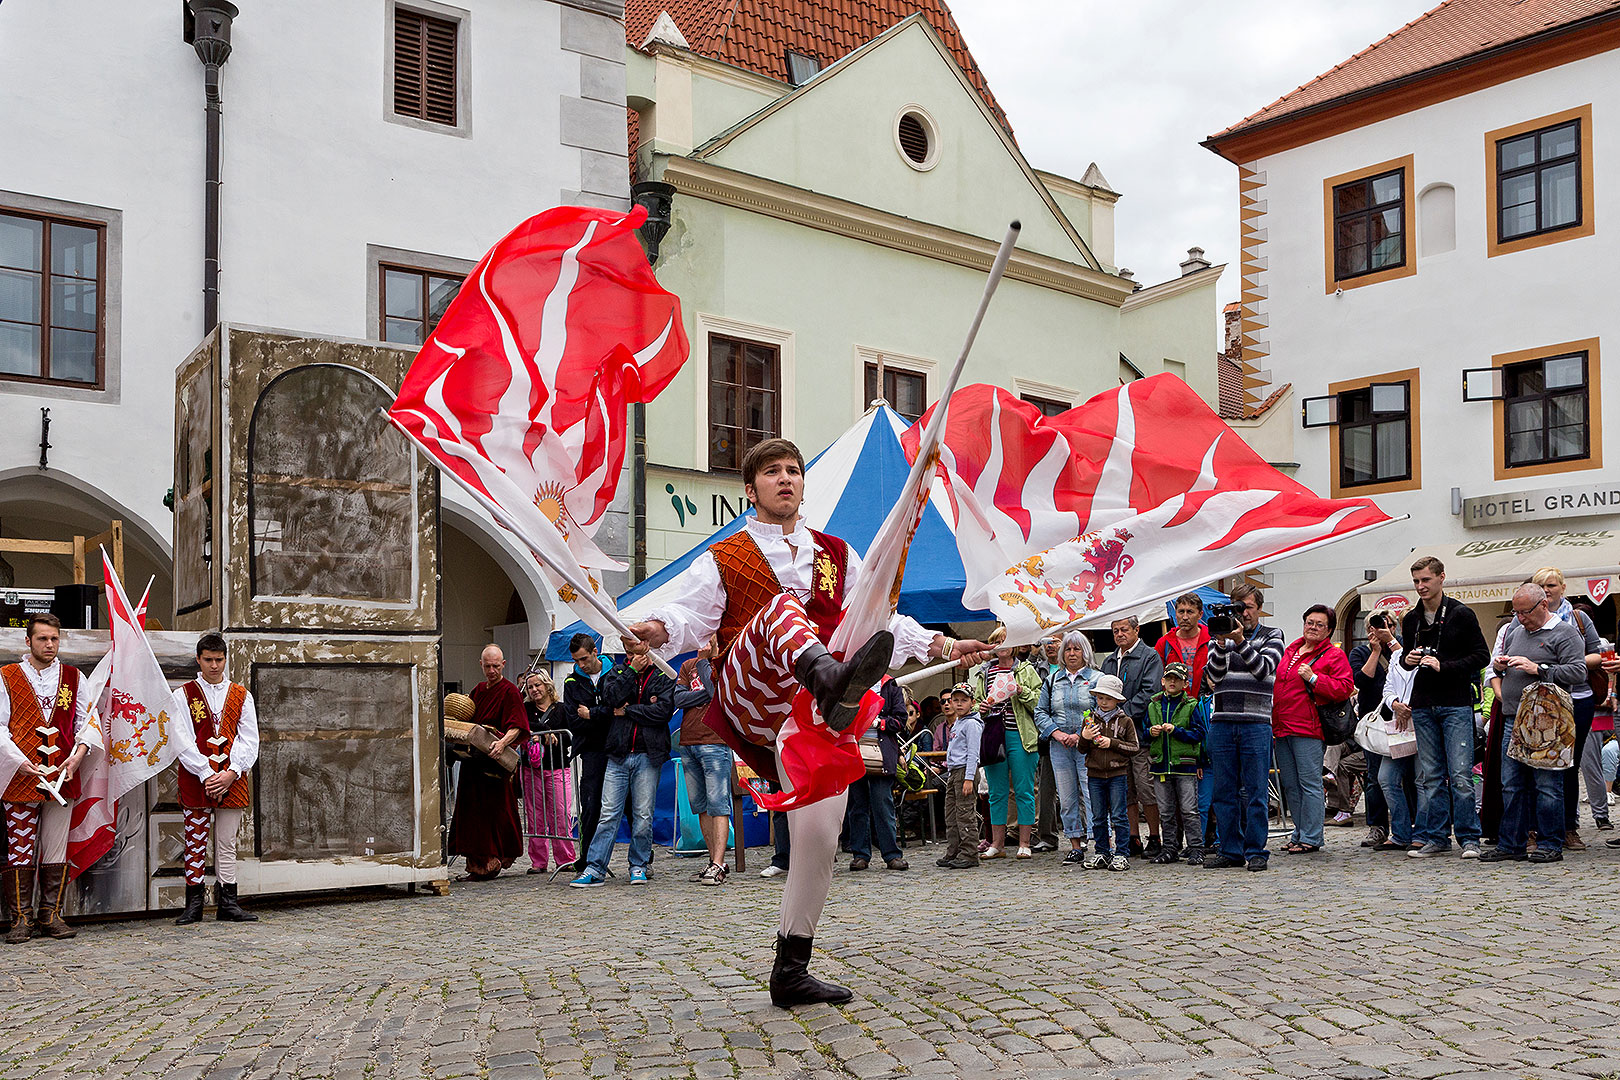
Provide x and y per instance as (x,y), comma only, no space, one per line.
(912,640)
(185,736)
(11,756)
(692,613)
(86,721)
(245,747)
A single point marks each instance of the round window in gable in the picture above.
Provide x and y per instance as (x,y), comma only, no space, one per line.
(917,138)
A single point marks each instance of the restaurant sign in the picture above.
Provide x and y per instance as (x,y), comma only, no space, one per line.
(1543,504)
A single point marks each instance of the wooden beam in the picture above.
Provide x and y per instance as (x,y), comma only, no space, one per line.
(78,560)
(37,547)
(113,539)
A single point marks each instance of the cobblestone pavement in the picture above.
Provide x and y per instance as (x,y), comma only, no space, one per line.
(1344,964)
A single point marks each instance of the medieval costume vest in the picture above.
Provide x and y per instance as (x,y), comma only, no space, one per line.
(750,583)
(45,742)
(215,736)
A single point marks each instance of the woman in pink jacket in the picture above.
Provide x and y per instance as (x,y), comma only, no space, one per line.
(1314,671)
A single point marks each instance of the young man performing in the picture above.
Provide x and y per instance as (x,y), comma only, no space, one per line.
(46,729)
(213,778)
(774,593)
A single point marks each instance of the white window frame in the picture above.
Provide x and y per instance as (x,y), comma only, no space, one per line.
(782,340)
(917,365)
(1050,391)
(462,128)
(109,296)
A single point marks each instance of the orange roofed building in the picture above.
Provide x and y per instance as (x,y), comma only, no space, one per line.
(1427,256)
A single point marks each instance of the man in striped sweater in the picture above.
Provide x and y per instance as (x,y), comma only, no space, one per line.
(1242,667)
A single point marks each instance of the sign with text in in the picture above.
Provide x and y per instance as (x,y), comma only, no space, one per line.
(1542,504)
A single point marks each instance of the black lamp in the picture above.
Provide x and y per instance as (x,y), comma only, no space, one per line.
(657,197)
(209,30)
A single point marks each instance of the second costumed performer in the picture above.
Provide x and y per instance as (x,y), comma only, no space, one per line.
(773,594)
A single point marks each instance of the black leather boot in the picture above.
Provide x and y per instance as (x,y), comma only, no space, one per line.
(791,981)
(226,909)
(838,686)
(194,905)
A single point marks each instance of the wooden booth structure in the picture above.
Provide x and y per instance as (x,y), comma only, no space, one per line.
(306,531)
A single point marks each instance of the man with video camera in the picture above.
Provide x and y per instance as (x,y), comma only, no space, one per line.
(1243,659)
(1442,645)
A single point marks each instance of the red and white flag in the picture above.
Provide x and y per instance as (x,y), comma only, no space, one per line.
(137,738)
(520,392)
(1139,494)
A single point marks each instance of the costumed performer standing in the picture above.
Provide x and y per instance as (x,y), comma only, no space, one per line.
(774,594)
(213,779)
(485,827)
(46,728)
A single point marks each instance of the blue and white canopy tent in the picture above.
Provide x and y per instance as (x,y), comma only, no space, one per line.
(849,489)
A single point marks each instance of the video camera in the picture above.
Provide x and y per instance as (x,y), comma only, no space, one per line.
(1223,618)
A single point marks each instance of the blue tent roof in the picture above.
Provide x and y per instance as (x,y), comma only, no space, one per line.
(849,489)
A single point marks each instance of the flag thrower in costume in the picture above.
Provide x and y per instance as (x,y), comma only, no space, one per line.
(819,761)
(520,392)
(1139,494)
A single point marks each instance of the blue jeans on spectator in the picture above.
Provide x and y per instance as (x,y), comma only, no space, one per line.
(1073,790)
(1529,795)
(632,778)
(1206,795)
(1110,805)
(1445,775)
(1242,756)
(1377,807)
(1299,770)
(1397,781)
(1584,709)
(870,817)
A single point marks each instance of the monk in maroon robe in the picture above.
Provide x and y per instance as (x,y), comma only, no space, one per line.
(485,827)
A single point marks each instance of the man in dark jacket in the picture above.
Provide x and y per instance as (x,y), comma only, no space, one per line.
(642,701)
(588,722)
(870,817)
(1442,644)
(1139,667)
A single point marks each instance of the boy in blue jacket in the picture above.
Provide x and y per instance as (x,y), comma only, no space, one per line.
(1175,726)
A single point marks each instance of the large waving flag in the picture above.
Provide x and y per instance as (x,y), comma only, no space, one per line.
(1139,494)
(137,737)
(520,392)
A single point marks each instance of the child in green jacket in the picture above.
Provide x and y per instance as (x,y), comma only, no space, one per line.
(1175,727)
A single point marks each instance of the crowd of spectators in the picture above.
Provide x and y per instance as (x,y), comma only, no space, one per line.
(1209,747)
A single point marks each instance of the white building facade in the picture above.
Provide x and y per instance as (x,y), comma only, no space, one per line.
(1402,233)
(372,151)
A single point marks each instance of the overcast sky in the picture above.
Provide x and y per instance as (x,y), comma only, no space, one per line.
(1136,86)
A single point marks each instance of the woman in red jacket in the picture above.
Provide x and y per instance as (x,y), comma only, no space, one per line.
(1313,671)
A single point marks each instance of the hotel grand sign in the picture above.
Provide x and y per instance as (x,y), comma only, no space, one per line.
(1545,504)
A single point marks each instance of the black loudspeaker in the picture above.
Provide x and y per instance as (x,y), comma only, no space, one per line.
(77,606)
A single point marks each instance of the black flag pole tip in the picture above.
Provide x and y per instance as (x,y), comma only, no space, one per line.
(1016,226)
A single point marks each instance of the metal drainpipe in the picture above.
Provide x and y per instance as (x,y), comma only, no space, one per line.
(211,37)
(638,490)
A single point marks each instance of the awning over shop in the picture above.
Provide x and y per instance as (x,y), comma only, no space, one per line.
(1484,571)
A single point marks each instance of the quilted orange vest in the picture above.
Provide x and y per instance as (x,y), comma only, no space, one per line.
(46,744)
(215,736)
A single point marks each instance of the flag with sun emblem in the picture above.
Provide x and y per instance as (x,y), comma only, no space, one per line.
(520,392)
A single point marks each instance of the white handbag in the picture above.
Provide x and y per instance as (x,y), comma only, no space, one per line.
(1372,735)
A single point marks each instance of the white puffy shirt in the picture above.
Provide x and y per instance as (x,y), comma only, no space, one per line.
(244,748)
(692,614)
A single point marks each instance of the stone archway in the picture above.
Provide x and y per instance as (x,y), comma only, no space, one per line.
(50,505)
(487,582)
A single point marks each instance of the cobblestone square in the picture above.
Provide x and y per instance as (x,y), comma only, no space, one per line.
(1344,964)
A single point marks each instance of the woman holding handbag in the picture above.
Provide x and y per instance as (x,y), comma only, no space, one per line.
(1313,672)
(1007,689)
(547,791)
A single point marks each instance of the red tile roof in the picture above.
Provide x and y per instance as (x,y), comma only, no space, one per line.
(1229,388)
(758,34)
(1456,30)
